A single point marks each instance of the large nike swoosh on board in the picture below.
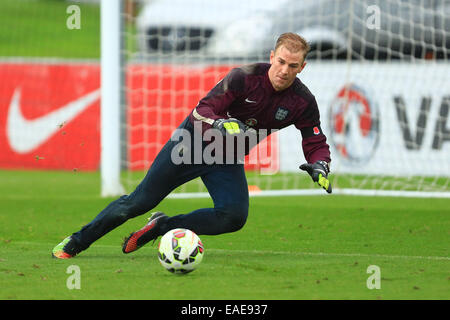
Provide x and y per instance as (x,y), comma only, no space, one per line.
(26,135)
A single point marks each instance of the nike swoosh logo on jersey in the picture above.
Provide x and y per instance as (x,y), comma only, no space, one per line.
(26,135)
(249,101)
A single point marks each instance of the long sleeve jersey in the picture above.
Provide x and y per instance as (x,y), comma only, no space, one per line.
(247,94)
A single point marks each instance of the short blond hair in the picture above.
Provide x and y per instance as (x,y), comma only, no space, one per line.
(293,42)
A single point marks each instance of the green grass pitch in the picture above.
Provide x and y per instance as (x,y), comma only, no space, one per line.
(291,248)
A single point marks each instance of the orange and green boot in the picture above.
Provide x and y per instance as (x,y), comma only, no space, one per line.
(65,250)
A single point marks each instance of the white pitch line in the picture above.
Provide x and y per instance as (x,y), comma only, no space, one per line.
(295,253)
(320,192)
(336,254)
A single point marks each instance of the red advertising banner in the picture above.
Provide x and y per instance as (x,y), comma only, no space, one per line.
(50,113)
(49,116)
(160,97)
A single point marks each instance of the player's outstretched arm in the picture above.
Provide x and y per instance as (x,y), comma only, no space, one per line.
(319,173)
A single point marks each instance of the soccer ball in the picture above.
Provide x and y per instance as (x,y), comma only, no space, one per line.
(180,251)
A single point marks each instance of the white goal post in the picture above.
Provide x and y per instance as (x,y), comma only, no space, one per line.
(111,83)
(379,70)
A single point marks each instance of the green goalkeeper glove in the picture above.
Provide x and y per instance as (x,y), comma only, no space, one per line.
(319,173)
(230,126)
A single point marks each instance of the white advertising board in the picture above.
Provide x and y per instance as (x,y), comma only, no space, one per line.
(379,118)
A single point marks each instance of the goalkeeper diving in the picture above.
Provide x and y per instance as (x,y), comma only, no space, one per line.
(255,97)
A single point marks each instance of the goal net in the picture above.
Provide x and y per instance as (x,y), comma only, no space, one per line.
(379,70)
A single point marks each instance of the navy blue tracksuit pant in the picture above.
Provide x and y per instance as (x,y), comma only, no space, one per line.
(226,183)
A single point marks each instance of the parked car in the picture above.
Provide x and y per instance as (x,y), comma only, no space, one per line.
(405,28)
(369,29)
(190,25)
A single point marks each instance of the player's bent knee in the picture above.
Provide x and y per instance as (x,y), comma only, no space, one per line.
(235,217)
(238,223)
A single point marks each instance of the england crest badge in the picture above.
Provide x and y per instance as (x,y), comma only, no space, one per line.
(281,113)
